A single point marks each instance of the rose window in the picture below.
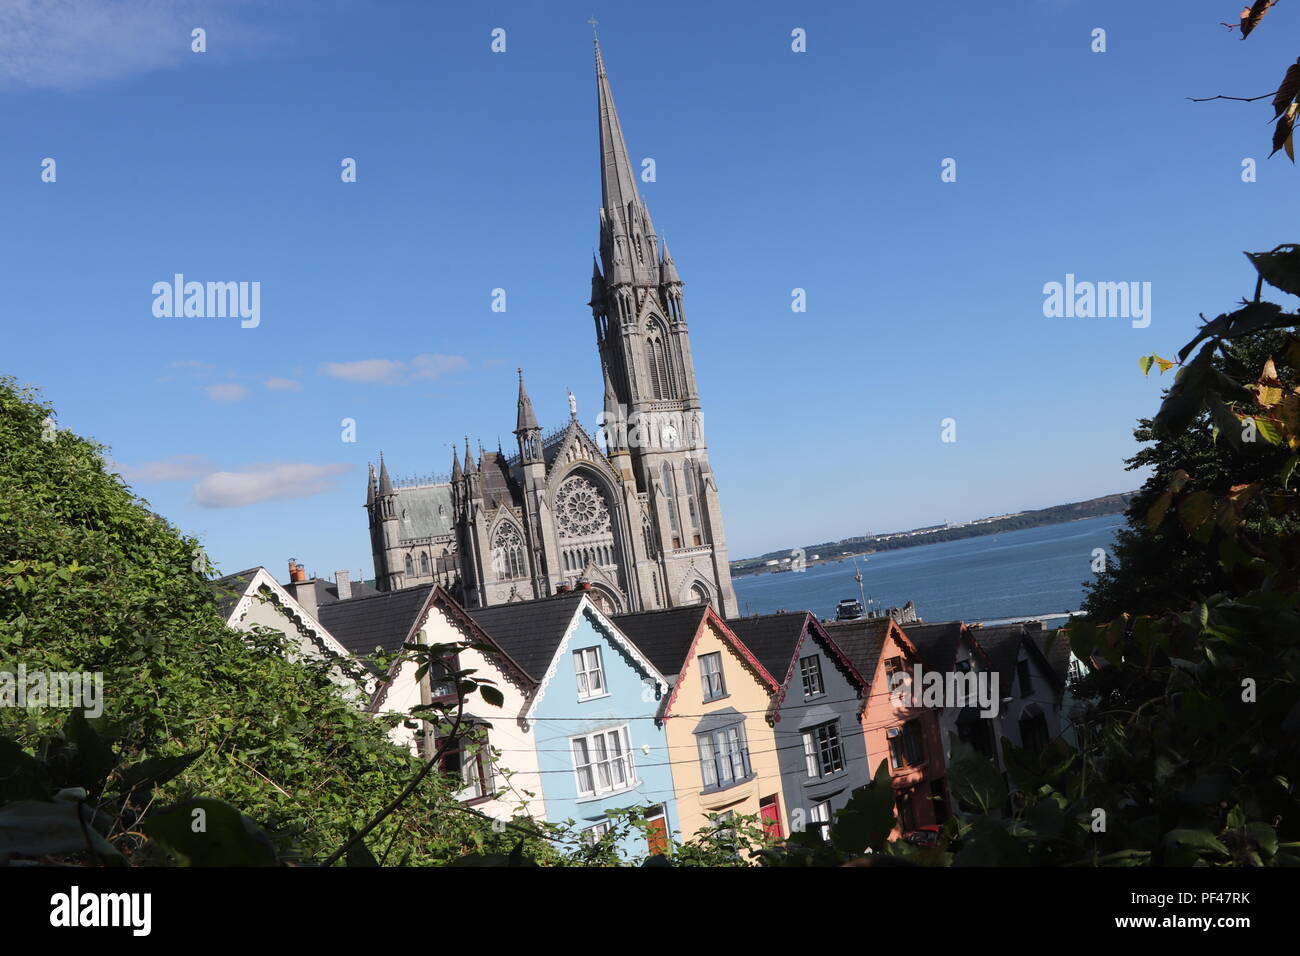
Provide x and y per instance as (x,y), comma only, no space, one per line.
(580,509)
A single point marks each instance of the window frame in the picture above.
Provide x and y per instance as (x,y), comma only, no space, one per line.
(820,754)
(907,741)
(724,748)
(594,762)
(708,678)
(582,673)
(815,672)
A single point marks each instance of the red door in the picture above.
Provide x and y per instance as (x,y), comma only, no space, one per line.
(769,812)
(657,838)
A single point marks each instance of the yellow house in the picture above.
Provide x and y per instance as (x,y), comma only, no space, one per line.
(723,751)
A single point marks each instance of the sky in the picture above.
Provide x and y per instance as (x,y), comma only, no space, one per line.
(476,170)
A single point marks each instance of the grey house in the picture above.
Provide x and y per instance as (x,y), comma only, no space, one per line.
(816,714)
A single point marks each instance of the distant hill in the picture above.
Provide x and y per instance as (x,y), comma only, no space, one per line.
(869,544)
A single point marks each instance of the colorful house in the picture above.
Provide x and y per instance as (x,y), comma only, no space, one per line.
(724,761)
(253,598)
(591,716)
(816,714)
(494,754)
(1031,688)
(897,732)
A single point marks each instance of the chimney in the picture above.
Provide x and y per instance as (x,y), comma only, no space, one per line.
(562,589)
(343,582)
(303,590)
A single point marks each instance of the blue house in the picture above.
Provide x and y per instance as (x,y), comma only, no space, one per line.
(591,716)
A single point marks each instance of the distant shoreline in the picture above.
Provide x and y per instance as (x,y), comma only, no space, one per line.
(863,545)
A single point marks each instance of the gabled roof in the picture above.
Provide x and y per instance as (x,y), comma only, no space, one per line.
(384,620)
(473,632)
(664,636)
(761,673)
(232,591)
(1001,645)
(1055,648)
(937,643)
(229,590)
(530,631)
(772,638)
(328,593)
(862,641)
(496,482)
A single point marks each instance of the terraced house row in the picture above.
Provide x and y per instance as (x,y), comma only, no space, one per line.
(699,719)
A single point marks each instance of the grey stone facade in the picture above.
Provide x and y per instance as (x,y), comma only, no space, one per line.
(631,513)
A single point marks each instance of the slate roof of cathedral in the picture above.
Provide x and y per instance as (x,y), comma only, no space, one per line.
(227,591)
(862,641)
(529,631)
(383,620)
(664,636)
(425,511)
(496,481)
(771,638)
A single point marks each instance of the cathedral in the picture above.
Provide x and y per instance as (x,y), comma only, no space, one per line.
(630,513)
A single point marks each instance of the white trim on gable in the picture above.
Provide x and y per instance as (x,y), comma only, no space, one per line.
(325,643)
(588,607)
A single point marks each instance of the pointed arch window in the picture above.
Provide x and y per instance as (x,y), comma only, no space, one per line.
(659,362)
(410,565)
(670,496)
(508,552)
(692,498)
(424,562)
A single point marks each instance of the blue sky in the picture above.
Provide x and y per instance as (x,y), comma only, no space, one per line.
(476,170)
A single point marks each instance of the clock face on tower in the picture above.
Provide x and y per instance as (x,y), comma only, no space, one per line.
(670,435)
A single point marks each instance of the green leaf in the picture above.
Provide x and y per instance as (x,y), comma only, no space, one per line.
(22,776)
(1280,267)
(207,832)
(868,817)
(155,771)
(492,696)
(358,853)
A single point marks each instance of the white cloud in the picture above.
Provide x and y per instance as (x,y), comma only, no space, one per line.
(436,366)
(377,371)
(70,44)
(229,392)
(275,482)
(175,468)
(394,372)
(283,385)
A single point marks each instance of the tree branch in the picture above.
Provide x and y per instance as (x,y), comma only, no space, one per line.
(1239,99)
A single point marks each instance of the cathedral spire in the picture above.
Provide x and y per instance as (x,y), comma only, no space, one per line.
(385,482)
(624,214)
(470,467)
(455,464)
(526,419)
(370,486)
